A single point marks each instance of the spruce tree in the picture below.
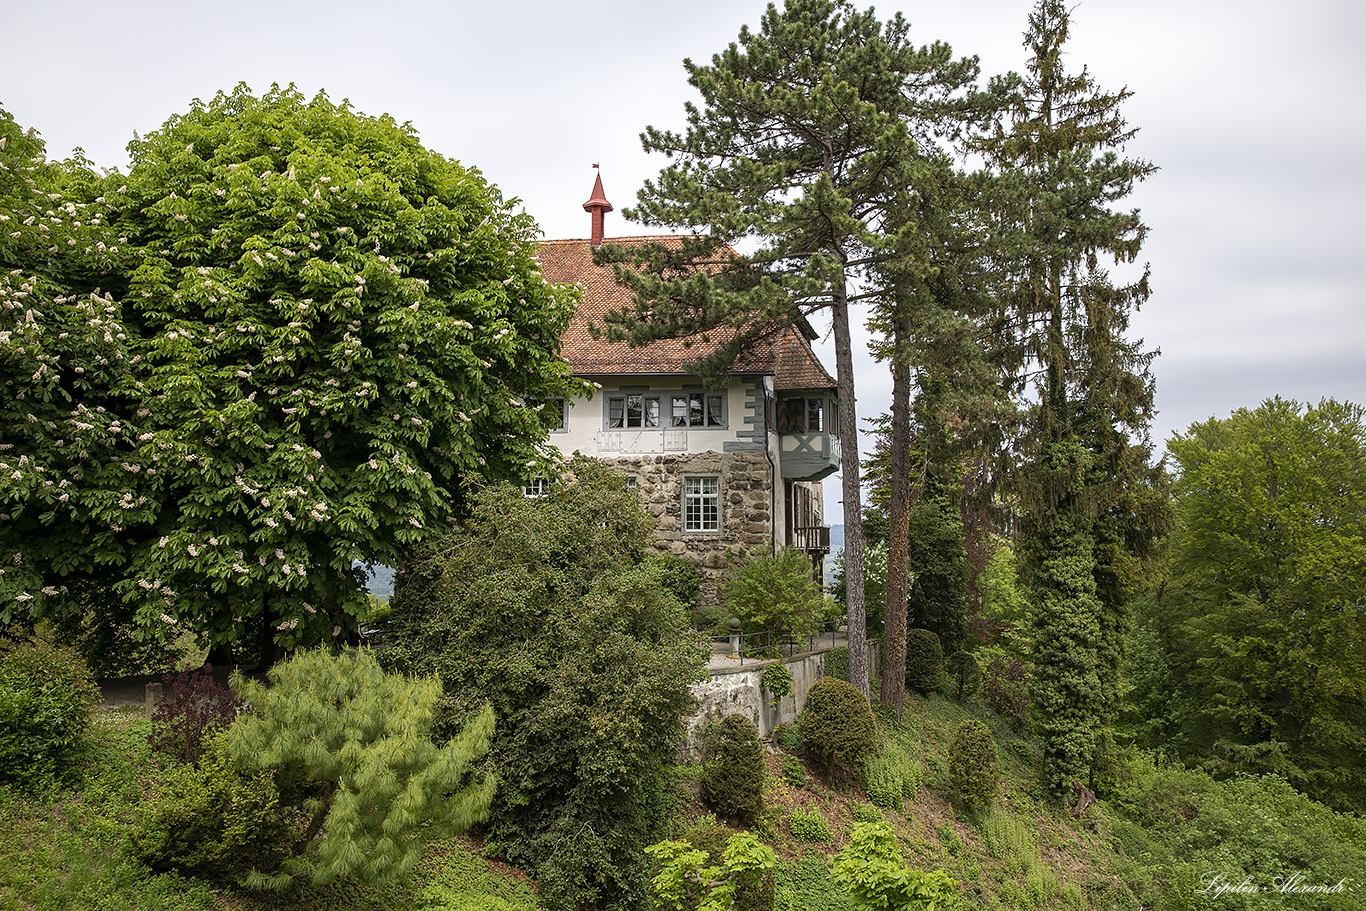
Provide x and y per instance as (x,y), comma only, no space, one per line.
(804,134)
(1061,170)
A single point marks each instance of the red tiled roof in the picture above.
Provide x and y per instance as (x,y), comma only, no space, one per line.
(788,358)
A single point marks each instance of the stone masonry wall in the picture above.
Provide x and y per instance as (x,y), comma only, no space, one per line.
(746,507)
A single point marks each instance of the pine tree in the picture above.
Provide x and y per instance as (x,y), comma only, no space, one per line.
(803,137)
(355,743)
(1061,170)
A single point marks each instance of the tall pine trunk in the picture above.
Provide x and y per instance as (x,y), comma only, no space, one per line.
(899,514)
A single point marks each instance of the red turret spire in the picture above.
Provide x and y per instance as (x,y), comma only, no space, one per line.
(599,206)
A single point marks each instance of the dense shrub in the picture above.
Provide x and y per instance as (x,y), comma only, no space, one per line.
(679,577)
(794,771)
(46,693)
(965,673)
(775,593)
(214,821)
(808,825)
(837,663)
(549,609)
(973,765)
(196,708)
(924,661)
(789,737)
(837,723)
(1005,686)
(733,778)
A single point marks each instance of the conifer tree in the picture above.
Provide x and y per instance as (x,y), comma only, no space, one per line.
(354,743)
(803,136)
(1059,160)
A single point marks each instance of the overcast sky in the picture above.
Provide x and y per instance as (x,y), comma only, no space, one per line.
(1254,111)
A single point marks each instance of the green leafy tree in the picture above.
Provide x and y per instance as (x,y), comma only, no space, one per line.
(63,350)
(1060,171)
(549,608)
(353,745)
(332,335)
(775,593)
(1268,594)
(797,144)
(877,878)
(691,879)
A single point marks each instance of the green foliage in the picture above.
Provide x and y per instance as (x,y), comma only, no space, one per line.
(924,661)
(1267,593)
(733,778)
(453,879)
(837,663)
(872,869)
(547,608)
(351,744)
(777,680)
(214,821)
(789,737)
(965,673)
(695,879)
(46,694)
(1005,686)
(1184,825)
(804,884)
(321,336)
(794,771)
(680,578)
(837,723)
(1065,682)
(890,775)
(775,593)
(808,825)
(938,597)
(973,764)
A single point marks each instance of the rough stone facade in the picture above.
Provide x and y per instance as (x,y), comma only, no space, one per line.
(746,490)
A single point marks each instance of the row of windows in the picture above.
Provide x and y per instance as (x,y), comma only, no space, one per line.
(646,411)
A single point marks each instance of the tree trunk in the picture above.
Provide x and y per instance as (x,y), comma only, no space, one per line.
(850,489)
(899,514)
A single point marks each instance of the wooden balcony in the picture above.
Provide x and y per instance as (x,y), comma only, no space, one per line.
(814,539)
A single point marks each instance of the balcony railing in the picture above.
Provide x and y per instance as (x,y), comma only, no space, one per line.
(814,539)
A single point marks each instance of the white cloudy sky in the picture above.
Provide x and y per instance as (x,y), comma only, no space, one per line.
(1253,110)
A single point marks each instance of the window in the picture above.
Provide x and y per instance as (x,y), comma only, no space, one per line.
(801,415)
(699,409)
(555,415)
(537,488)
(635,410)
(702,504)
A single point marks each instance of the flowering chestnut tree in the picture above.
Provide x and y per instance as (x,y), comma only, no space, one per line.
(329,336)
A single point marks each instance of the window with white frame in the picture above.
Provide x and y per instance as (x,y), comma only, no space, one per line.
(702,503)
(630,410)
(537,487)
(801,416)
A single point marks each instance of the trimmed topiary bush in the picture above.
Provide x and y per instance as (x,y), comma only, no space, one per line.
(46,694)
(973,765)
(837,724)
(924,661)
(733,778)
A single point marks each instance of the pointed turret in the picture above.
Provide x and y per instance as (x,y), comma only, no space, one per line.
(599,206)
